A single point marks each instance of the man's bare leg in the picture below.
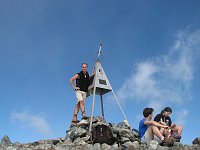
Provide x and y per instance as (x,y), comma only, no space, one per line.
(162,130)
(76,110)
(153,130)
(150,131)
(156,132)
(82,106)
(165,132)
(178,129)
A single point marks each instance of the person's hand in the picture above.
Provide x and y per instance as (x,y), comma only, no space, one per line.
(166,127)
(169,130)
(76,88)
(173,125)
(163,123)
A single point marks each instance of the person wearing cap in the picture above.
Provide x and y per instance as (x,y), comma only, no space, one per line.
(164,119)
(81,89)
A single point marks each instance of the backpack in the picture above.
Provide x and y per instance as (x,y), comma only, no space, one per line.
(102,134)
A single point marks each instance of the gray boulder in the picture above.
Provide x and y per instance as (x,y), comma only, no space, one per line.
(78,132)
(89,147)
(124,139)
(196,141)
(153,145)
(115,130)
(177,145)
(122,125)
(5,141)
(115,146)
(97,146)
(135,132)
(162,147)
(136,145)
(105,146)
(129,145)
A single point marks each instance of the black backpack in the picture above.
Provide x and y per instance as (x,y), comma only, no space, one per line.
(102,134)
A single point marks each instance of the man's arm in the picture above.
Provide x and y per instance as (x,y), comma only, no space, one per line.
(163,123)
(155,124)
(76,76)
(158,119)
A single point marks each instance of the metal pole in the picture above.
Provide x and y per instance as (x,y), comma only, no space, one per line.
(102,109)
(99,52)
(92,114)
(119,105)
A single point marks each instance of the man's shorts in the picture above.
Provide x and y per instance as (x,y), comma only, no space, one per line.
(157,139)
(146,137)
(80,95)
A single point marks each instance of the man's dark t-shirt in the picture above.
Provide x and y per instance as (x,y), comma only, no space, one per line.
(160,117)
(83,81)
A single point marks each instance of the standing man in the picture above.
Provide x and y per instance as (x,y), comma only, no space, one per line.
(81,89)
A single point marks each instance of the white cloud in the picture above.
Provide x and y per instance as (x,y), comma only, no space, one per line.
(30,121)
(181,116)
(165,80)
(137,84)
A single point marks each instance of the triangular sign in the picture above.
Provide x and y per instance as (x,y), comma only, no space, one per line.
(99,80)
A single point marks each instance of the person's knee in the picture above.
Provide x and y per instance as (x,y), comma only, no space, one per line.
(81,101)
(154,127)
(180,128)
(162,130)
(149,129)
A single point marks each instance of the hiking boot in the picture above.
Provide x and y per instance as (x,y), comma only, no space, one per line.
(168,142)
(84,115)
(176,136)
(74,119)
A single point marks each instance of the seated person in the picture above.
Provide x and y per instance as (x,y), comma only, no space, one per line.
(164,119)
(149,130)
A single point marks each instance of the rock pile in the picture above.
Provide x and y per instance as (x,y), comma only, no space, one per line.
(78,138)
(121,132)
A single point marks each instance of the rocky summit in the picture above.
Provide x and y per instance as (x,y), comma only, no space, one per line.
(104,136)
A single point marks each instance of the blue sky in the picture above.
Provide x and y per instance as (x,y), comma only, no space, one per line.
(151,51)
